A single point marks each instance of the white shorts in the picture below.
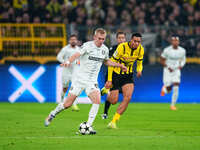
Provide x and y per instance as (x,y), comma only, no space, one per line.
(66,78)
(171,77)
(68,74)
(77,87)
(65,81)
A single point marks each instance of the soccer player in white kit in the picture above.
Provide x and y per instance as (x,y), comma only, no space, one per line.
(69,72)
(92,55)
(173,59)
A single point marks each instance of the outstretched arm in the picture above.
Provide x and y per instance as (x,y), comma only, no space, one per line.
(71,59)
(110,72)
(114,64)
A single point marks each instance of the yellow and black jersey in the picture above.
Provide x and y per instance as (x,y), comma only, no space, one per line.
(125,55)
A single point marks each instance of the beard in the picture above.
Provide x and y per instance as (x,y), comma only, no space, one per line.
(73,44)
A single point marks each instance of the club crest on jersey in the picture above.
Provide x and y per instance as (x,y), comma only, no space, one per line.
(115,54)
(103,52)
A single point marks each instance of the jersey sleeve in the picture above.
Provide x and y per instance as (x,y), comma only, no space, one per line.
(118,53)
(140,61)
(110,72)
(164,53)
(60,56)
(183,60)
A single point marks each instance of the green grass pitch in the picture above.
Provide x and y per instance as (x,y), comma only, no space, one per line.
(142,127)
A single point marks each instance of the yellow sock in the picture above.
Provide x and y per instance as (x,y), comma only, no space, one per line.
(116,118)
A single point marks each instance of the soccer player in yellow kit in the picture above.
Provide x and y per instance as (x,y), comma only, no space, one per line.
(127,53)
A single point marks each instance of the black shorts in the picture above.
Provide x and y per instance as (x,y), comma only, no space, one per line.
(119,80)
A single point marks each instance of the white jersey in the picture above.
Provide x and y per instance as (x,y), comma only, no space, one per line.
(91,60)
(64,55)
(175,58)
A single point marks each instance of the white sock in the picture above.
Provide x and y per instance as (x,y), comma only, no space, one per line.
(174,95)
(92,114)
(58,109)
(75,102)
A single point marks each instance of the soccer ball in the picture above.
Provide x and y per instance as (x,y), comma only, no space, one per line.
(85,128)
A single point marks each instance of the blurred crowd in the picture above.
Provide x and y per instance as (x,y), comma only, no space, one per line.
(161,17)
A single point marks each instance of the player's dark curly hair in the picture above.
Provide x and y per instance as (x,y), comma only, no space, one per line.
(136,35)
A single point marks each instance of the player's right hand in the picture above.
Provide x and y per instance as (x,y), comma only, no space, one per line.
(65,64)
(124,68)
(139,74)
(108,84)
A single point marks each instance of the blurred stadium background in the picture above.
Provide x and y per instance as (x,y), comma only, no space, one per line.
(33,32)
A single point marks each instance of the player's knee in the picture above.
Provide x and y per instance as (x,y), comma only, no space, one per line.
(113,100)
(97,102)
(127,98)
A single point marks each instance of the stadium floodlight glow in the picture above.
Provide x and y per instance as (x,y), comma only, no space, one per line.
(26,84)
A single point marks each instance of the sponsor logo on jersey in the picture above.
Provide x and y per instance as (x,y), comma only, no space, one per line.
(95,58)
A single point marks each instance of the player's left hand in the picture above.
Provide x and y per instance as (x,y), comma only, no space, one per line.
(108,84)
(124,68)
(139,74)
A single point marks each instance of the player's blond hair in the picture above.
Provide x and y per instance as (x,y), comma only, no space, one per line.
(99,30)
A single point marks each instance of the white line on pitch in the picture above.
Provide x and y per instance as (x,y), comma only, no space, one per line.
(91,136)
